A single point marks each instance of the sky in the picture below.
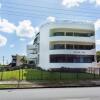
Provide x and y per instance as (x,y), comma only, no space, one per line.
(20,20)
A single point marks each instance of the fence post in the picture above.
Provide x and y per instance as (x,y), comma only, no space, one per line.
(41,74)
(60,75)
(19,74)
(22,73)
(77,75)
(2,73)
(94,74)
(19,79)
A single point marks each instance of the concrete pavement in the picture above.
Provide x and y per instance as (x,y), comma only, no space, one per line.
(52,94)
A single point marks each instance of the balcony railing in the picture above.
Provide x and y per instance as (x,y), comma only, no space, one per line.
(72,46)
(75,34)
(79,52)
(73,39)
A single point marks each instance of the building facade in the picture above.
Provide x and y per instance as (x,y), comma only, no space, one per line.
(64,43)
(16,60)
(30,53)
(33,51)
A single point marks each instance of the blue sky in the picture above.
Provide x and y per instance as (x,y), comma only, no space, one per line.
(20,20)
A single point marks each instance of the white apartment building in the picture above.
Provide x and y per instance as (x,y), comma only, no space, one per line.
(64,43)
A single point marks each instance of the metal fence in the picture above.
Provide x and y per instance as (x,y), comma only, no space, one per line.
(29,74)
(9,75)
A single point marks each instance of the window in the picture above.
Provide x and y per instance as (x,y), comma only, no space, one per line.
(69,33)
(83,47)
(84,34)
(72,46)
(91,34)
(59,46)
(62,58)
(58,34)
(72,34)
(69,46)
(35,40)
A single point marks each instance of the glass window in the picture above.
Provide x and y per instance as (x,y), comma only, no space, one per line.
(69,33)
(83,34)
(91,34)
(62,58)
(72,46)
(59,46)
(58,34)
(69,46)
(83,47)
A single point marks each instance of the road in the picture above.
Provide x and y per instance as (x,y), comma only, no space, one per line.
(52,94)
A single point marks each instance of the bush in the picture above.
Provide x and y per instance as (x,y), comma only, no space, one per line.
(71,70)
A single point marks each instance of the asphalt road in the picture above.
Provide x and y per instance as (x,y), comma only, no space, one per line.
(52,94)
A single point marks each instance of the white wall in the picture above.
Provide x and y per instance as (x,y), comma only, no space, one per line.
(45,40)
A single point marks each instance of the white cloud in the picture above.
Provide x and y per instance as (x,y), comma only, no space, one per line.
(97,24)
(97,2)
(31,42)
(0,5)
(37,29)
(72,3)
(6,26)
(76,3)
(97,42)
(51,19)
(12,46)
(3,40)
(22,39)
(25,29)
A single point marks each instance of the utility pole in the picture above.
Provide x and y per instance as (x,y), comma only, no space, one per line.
(2,69)
(7,62)
(3,60)
(3,56)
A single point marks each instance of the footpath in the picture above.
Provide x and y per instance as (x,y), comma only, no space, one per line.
(48,84)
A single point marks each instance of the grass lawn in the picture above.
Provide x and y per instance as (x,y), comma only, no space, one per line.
(35,75)
(2,86)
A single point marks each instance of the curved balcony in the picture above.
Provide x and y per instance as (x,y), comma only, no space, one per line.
(72,39)
(69,51)
(72,65)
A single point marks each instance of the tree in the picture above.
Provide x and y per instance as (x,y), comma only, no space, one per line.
(98,56)
(23,61)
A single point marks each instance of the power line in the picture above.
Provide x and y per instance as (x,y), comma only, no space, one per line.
(24,11)
(83,11)
(34,1)
(3,59)
(45,10)
(19,15)
(44,17)
(38,13)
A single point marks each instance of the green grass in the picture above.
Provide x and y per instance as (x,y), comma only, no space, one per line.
(2,86)
(10,75)
(35,75)
(5,86)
